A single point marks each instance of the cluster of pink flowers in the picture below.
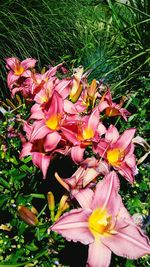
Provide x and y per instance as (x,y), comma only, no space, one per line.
(68,117)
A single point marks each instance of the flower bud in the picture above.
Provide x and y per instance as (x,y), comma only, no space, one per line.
(63,205)
(51,204)
(27,215)
(77,85)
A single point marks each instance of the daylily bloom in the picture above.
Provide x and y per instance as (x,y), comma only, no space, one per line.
(83,133)
(104,224)
(112,109)
(118,151)
(42,150)
(48,120)
(18,69)
(40,158)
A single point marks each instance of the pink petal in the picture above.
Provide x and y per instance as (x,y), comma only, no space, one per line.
(42,161)
(40,130)
(77,154)
(11,62)
(93,120)
(101,148)
(28,128)
(102,167)
(103,105)
(124,113)
(36,112)
(26,73)
(52,71)
(69,107)
(129,242)
(73,226)
(99,255)
(11,79)
(112,134)
(63,88)
(101,128)
(54,106)
(125,139)
(131,161)
(84,197)
(28,63)
(26,150)
(51,141)
(89,175)
(126,172)
(106,194)
(69,130)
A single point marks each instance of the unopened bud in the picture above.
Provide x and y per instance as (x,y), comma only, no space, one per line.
(51,204)
(27,216)
(63,205)
(34,210)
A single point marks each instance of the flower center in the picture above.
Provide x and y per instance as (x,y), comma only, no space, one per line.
(99,222)
(18,70)
(87,133)
(114,156)
(110,112)
(53,122)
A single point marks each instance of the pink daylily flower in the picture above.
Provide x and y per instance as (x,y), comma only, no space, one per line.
(118,151)
(83,133)
(18,69)
(39,157)
(104,224)
(112,109)
(48,120)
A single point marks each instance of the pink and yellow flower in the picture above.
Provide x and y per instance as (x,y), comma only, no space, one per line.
(118,151)
(82,132)
(48,121)
(18,69)
(104,224)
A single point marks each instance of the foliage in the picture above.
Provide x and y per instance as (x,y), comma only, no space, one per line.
(108,37)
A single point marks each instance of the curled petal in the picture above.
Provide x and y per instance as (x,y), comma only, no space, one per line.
(77,154)
(138,140)
(51,141)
